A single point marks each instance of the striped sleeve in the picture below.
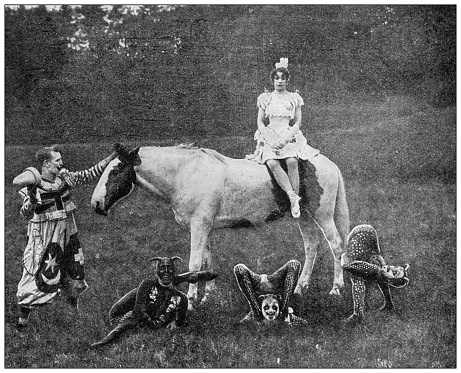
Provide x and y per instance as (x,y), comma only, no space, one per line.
(75,178)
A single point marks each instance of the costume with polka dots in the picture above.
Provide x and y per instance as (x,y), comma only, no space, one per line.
(365,263)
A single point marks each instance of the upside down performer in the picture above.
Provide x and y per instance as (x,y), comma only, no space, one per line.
(269,295)
(366,265)
(156,302)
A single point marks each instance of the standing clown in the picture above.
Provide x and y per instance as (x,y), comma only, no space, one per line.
(53,258)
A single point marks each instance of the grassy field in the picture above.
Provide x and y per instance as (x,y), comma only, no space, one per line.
(398,158)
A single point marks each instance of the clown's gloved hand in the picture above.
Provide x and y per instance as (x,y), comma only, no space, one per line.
(115,153)
(119,148)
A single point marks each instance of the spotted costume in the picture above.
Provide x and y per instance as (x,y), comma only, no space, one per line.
(279,110)
(278,286)
(53,258)
(364,262)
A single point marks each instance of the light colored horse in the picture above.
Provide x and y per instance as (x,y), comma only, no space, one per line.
(207,190)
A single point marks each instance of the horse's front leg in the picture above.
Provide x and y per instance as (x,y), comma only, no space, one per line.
(309,232)
(210,286)
(199,231)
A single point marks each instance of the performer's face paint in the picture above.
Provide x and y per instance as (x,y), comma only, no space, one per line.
(165,271)
(270,307)
(393,272)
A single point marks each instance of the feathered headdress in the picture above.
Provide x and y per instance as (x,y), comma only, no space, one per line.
(283,63)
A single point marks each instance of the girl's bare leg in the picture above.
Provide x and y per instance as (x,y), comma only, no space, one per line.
(280,175)
(293,174)
(284,181)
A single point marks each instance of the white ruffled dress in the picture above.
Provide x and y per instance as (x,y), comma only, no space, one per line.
(280,109)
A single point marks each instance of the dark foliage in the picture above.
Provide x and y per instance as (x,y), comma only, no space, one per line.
(82,73)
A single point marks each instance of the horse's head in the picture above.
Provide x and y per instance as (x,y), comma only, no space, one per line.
(116,182)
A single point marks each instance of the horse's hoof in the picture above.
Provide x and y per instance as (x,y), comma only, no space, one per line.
(353,320)
(204,300)
(335,291)
(387,308)
(301,288)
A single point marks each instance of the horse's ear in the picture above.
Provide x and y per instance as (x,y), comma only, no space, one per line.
(135,151)
(133,156)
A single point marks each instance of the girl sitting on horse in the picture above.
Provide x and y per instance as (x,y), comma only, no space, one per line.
(281,138)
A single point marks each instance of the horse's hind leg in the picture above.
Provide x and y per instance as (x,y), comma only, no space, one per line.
(309,233)
(334,241)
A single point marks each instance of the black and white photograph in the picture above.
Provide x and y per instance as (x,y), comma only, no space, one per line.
(230,186)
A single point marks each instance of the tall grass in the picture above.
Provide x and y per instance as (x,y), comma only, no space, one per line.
(398,160)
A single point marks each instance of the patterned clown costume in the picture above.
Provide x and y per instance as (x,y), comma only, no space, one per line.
(53,258)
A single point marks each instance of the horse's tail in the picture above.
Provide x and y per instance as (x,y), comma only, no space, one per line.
(341,214)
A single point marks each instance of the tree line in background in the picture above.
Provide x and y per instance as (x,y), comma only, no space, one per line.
(87,73)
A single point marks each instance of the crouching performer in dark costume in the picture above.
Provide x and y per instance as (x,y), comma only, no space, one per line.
(269,295)
(156,302)
(364,262)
